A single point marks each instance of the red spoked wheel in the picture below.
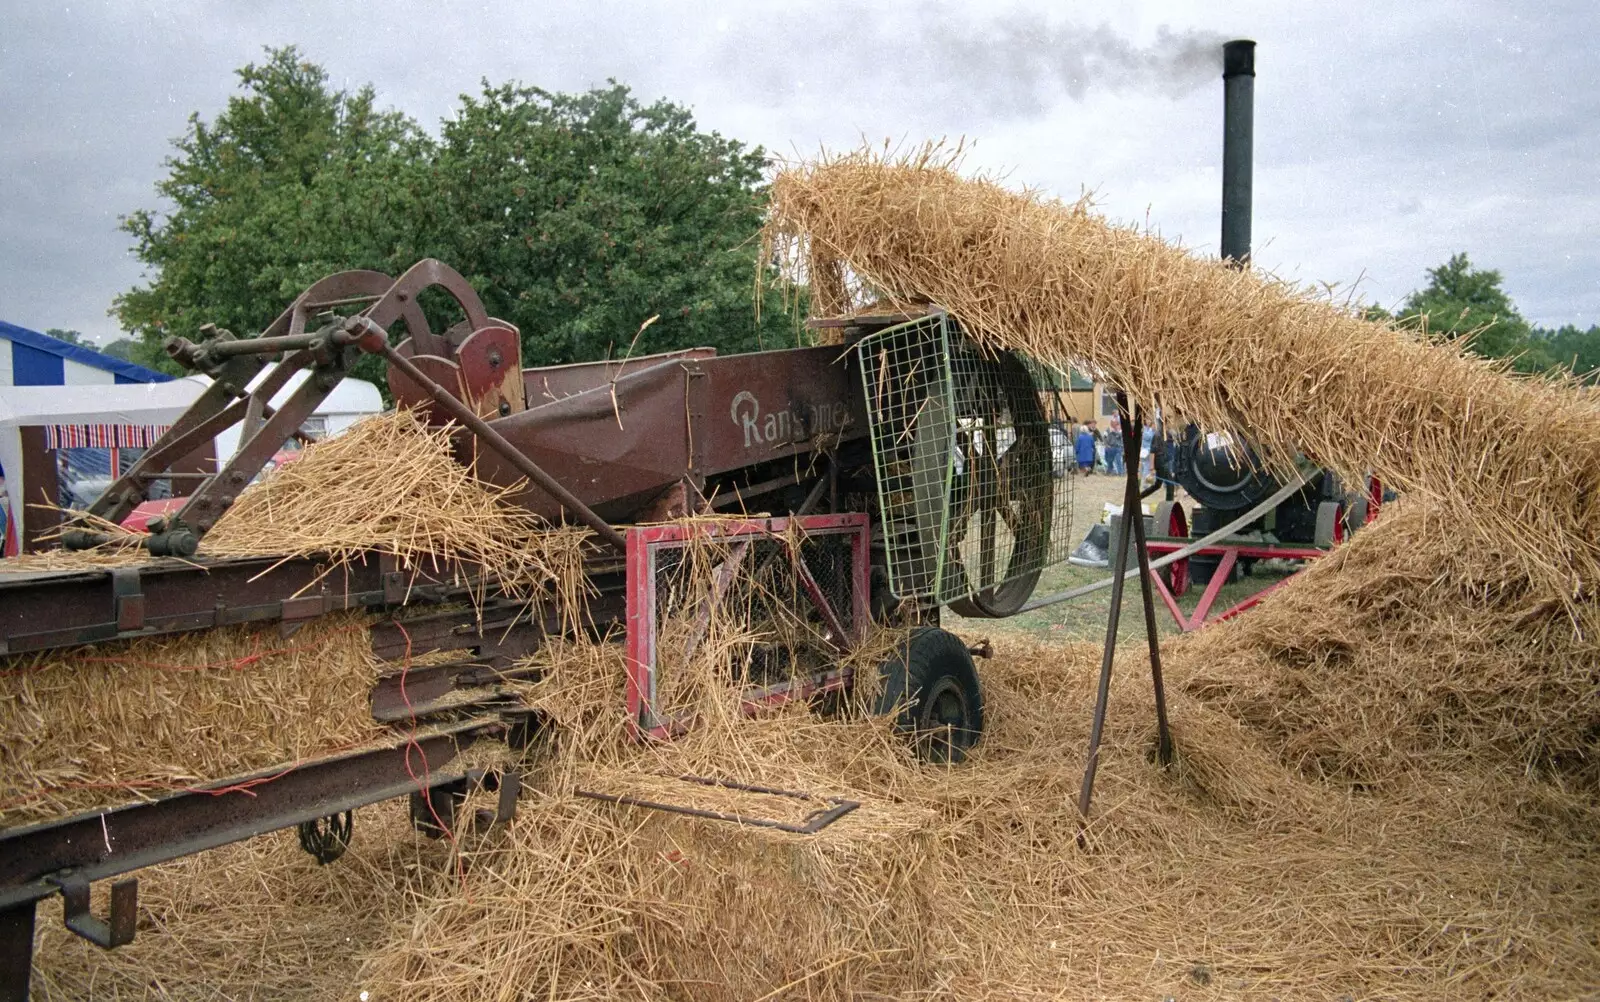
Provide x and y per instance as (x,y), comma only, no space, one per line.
(1169,520)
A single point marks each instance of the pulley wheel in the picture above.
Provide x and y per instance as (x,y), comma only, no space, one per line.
(1170,521)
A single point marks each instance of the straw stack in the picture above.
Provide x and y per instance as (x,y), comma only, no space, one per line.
(1231,876)
(1238,873)
(1380,792)
(121,721)
(86,728)
(1511,462)
(391,484)
(1402,651)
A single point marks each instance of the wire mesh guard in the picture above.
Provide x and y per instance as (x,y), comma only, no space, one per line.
(769,612)
(974,491)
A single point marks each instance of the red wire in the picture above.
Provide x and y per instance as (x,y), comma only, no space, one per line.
(237,664)
(424,783)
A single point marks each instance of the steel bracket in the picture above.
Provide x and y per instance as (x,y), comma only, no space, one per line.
(831,809)
(396,583)
(128,598)
(695,391)
(505,807)
(108,933)
(304,607)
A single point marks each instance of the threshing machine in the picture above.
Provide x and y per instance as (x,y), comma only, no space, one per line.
(882,477)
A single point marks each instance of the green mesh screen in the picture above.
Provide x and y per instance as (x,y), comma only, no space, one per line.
(974,484)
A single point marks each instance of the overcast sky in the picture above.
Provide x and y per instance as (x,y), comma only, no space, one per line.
(1388,136)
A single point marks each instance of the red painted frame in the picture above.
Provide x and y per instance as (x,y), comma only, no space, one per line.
(643,545)
(1230,555)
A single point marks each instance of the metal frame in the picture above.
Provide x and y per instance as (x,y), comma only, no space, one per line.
(1131,422)
(645,544)
(834,807)
(905,373)
(1229,554)
(123,603)
(67,855)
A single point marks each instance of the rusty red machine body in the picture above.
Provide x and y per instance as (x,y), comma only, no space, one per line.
(779,438)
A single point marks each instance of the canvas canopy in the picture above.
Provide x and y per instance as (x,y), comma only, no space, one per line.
(349,401)
(134,416)
(126,413)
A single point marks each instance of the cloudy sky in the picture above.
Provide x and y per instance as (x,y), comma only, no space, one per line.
(1388,135)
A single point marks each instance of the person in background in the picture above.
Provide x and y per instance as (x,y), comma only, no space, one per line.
(1147,456)
(1114,446)
(5,513)
(1083,448)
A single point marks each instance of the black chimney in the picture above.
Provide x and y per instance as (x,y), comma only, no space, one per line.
(1238,128)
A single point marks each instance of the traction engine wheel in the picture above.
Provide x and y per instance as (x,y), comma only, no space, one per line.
(1169,520)
(1356,509)
(931,686)
(1330,524)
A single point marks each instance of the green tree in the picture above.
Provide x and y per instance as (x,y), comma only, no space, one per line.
(1573,349)
(70,337)
(1461,301)
(579,217)
(292,181)
(124,348)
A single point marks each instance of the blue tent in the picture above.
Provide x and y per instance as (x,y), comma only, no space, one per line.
(28,358)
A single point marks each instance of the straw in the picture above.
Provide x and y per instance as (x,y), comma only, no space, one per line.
(1232,875)
(1236,350)
(107,724)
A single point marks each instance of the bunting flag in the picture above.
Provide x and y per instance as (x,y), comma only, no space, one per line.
(103,436)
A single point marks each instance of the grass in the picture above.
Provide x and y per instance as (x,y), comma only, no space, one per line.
(1085,618)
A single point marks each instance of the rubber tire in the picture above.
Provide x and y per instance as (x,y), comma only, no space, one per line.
(930,684)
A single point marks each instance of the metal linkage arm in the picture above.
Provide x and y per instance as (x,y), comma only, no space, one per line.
(232,364)
(181,535)
(208,415)
(373,339)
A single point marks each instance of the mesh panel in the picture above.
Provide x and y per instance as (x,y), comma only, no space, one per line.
(973,485)
(737,610)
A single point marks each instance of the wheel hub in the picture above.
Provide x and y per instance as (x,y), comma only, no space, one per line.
(944,720)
